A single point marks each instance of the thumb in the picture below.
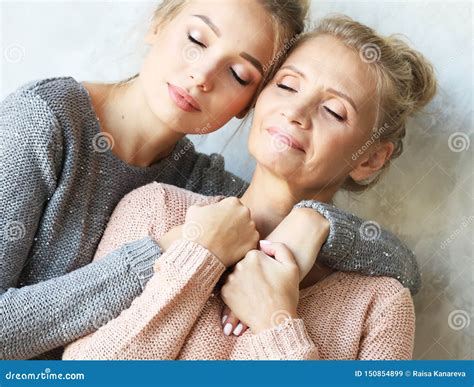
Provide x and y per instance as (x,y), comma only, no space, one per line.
(279,251)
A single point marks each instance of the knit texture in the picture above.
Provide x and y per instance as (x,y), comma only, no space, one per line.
(377,252)
(58,187)
(178,315)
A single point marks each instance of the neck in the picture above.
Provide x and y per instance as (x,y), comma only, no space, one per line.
(140,138)
(270,199)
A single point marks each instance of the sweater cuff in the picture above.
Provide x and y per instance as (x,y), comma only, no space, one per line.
(342,229)
(192,259)
(288,340)
(141,255)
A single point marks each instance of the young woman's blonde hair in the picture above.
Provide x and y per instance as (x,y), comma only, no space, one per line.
(406,82)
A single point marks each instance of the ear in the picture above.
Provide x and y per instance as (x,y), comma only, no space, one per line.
(374,162)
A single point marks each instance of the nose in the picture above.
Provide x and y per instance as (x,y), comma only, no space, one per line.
(202,79)
(298,115)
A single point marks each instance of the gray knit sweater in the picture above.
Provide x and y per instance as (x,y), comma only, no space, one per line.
(58,188)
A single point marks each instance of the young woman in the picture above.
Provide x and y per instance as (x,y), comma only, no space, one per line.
(324,108)
(71,151)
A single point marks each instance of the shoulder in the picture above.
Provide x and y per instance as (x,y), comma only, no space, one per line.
(25,107)
(60,101)
(367,287)
(380,297)
(184,197)
(375,290)
(376,286)
(370,295)
(167,192)
(30,127)
(52,92)
(39,107)
(165,198)
(203,173)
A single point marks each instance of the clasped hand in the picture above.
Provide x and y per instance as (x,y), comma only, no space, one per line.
(263,287)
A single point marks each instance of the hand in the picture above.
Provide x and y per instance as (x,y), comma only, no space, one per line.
(231,324)
(304,246)
(225,228)
(262,290)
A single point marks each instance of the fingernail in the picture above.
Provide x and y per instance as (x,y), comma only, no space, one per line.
(223,319)
(238,329)
(227,329)
(265,242)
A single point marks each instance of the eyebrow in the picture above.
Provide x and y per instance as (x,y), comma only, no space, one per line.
(254,61)
(294,69)
(330,90)
(345,96)
(249,58)
(211,25)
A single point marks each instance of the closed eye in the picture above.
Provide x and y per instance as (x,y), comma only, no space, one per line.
(336,116)
(287,88)
(192,40)
(238,79)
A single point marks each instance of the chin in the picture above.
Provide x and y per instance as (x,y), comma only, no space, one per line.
(172,119)
(279,163)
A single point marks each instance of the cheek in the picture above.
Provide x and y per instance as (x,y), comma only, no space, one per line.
(228,101)
(266,110)
(166,54)
(265,100)
(252,142)
(152,68)
(333,157)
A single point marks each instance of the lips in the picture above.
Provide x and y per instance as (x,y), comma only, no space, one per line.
(182,99)
(285,138)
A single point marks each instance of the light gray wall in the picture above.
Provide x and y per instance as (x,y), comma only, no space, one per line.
(427,196)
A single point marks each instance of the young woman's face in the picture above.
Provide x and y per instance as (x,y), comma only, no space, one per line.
(205,65)
(318,110)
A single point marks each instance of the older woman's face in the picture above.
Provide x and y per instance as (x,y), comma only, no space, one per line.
(319,109)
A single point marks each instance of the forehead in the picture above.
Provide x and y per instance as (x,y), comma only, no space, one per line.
(244,24)
(327,61)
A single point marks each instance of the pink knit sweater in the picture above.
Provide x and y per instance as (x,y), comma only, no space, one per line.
(178,315)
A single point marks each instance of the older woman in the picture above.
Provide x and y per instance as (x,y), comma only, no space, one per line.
(320,109)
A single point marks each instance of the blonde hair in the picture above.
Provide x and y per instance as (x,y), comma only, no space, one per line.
(406,82)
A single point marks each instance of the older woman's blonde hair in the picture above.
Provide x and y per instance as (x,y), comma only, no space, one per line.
(406,82)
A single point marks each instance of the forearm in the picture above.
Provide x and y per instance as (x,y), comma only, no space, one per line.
(40,317)
(359,246)
(159,320)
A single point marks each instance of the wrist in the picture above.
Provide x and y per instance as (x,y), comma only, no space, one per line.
(312,222)
(272,321)
(210,243)
(166,240)
(311,216)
